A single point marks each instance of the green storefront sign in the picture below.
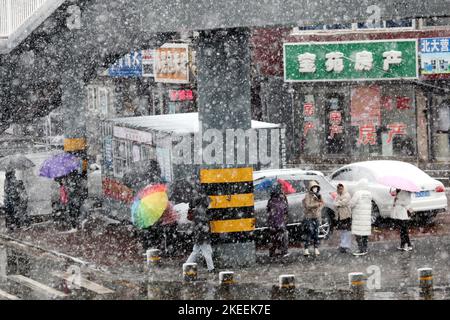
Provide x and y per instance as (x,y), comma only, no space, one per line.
(347,61)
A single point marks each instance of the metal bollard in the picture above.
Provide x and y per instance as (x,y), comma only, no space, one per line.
(426,282)
(287,282)
(153,257)
(357,281)
(190,272)
(226,278)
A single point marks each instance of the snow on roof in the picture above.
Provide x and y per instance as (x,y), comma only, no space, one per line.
(178,123)
(284,172)
(391,167)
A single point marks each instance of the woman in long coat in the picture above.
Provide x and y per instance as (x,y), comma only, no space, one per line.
(344,217)
(277,209)
(361,205)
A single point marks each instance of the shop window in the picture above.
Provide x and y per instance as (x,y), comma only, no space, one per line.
(147,153)
(334,124)
(442,131)
(383,121)
(92,98)
(120,156)
(103,101)
(311,126)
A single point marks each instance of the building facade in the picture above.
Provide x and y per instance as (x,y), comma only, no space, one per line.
(356,92)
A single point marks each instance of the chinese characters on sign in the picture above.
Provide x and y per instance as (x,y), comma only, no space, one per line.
(307,62)
(364,61)
(308,109)
(343,61)
(396,129)
(435,56)
(307,127)
(135,64)
(367,134)
(335,123)
(172,63)
(335,61)
(181,95)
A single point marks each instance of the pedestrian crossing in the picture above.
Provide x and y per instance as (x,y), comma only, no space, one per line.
(16,284)
(37,286)
(84,283)
(6,296)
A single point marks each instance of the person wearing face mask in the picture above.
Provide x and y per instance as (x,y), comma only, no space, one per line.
(344,217)
(312,205)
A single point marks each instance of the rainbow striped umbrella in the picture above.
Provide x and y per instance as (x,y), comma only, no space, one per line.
(149,205)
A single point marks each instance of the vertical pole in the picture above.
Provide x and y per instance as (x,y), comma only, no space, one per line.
(357,282)
(74,108)
(189,272)
(426,282)
(224,92)
(8,18)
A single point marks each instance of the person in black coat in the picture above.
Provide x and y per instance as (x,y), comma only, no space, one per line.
(11,200)
(201,234)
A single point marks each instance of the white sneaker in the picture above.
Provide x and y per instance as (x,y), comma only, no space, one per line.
(408,248)
(316,252)
(306,252)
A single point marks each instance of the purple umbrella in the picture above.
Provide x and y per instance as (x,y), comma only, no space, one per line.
(399,183)
(59,166)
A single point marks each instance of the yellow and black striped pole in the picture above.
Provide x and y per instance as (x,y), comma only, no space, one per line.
(426,283)
(231,212)
(357,282)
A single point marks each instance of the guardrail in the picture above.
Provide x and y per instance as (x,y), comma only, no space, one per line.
(14,13)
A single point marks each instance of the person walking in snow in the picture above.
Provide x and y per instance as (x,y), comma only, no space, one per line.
(361,204)
(312,207)
(344,217)
(202,240)
(277,210)
(402,210)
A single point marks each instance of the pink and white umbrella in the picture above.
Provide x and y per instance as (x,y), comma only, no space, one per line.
(399,183)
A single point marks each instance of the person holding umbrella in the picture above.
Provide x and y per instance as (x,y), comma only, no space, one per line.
(15,196)
(64,169)
(401,207)
(11,200)
(401,217)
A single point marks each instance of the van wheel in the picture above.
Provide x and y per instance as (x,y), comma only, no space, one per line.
(375,214)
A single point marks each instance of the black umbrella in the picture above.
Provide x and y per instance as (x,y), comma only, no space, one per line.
(15,162)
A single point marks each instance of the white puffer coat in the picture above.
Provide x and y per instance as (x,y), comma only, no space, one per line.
(361,205)
(401,206)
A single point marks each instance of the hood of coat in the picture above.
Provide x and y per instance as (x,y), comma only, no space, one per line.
(313,184)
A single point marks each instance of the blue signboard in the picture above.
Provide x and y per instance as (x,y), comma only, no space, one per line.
(435,56)
(108,153)
(128,66)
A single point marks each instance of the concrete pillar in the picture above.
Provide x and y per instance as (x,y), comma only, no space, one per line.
(422,127)
(74,99)
(224,100)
